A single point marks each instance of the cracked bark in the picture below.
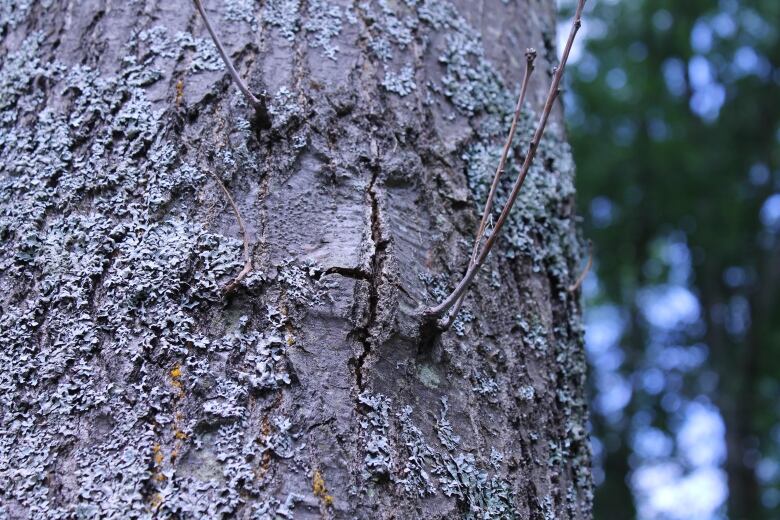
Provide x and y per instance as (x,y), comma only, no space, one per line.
(361,206)
(364,333)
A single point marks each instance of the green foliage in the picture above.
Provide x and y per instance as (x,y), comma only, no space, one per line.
(674,121)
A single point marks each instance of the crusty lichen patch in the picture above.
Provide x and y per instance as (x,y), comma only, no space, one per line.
(112,297)
(320,490)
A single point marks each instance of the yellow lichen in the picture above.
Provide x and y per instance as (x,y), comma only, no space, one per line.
(179,92)
(290,336)
(175,374)
(157,500)
(320,490)
(158,456)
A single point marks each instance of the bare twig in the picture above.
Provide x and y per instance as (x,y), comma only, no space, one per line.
(530,56)
(436,312)
(576,285)
(257,103)
(247,256)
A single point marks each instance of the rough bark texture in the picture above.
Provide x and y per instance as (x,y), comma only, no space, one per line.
(130,388)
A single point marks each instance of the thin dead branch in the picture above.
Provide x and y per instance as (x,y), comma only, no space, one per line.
(258,103)
(438,311)
(530,56)
(244,237)
(576,285)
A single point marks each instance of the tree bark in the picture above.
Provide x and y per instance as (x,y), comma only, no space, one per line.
(132,388)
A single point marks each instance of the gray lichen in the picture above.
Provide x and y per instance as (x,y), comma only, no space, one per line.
(483,497)
(205,55)
(389,26)
(486,386)
(104,281)
(14,12)
(378,460)
(285,15)
(470,82)
(301,283)
(150,45)
(457,472)
(447,437)
(284,108)
(525,393)
(419,455)
(241,11)
(324,22)
(401,83)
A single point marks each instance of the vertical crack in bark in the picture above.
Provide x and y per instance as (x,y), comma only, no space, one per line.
(363,334)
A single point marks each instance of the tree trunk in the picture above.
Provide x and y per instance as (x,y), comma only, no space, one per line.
(131,387)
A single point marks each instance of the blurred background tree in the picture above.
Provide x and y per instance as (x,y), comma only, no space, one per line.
(673,110)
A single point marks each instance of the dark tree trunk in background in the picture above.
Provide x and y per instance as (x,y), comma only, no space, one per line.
(130,387)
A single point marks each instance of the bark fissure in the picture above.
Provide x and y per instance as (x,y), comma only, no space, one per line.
(364,334)
(349,272)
